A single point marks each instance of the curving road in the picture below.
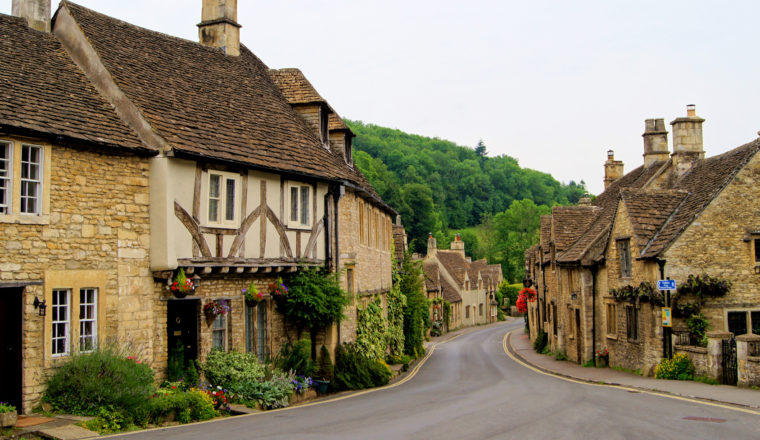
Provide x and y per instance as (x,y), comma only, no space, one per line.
(470,389)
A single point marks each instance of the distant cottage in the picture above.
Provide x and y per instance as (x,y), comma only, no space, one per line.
(127,156)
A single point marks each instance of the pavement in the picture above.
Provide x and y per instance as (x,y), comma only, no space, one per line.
(519,344)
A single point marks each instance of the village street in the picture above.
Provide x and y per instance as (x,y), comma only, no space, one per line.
(470,389)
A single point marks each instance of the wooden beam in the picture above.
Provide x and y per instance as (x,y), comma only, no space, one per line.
(190,270)
(207,270)
(224,269)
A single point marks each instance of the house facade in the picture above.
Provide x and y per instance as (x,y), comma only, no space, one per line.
(678,215)
(127,155)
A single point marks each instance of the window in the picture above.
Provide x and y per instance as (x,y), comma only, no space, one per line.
(611,319)
(88,319)
(632,323)
(361,222)
(61,315)
(467,311)
(480,309)
(757,251)
(744,321)
(350,280)
(219,329)
(6,164)
(300,197)
(222,199)
(31,179)
(624,252)
(349,156)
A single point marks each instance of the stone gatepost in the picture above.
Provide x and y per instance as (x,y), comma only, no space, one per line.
(715,353)
(748,360)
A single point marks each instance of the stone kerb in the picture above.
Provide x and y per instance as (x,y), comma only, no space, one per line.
(748,360)
(715,353)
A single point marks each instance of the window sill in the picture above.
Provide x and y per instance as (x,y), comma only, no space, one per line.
(613,337)
(634,341)
(299,227)
(25,219)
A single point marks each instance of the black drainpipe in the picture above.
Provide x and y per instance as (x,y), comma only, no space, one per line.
(594,271)
(667,339)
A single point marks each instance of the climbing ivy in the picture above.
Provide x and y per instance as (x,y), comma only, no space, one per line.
(644,292)
(371,339)
(395,331)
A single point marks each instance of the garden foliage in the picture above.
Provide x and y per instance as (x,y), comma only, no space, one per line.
(396,303)
(353,371)
(371,339)
(325,365)
(540,342)
(225,369)
(416,312)
(296,358)
(270,393)
(679,368)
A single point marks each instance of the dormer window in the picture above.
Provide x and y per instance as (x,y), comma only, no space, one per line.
(323,124)
(348,153)
(222,199)
(300,206)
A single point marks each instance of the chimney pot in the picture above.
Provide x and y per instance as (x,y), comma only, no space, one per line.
(691,110)
(610,155)
(613,169)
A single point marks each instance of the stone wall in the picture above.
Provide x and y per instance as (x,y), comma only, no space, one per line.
(97,230)
(699,357)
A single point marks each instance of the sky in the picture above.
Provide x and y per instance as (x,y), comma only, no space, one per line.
(554,84)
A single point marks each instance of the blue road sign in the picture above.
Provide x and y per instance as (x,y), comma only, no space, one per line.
(666,285)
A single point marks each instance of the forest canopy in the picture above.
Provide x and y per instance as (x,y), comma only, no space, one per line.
(440,187)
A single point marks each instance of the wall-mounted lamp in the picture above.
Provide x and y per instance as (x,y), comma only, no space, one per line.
(573,296)
(196,280)
(40,306)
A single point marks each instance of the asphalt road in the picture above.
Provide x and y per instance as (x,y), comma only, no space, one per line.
(470,389)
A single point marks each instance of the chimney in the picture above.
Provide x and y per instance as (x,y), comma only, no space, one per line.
(219,27)
(687,141)
(655,142)
(613,169)
(36,12)
(585,200)
(458,245)
(432,245)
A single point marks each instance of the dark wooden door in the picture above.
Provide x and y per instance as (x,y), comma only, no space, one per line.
(578,336)
(10,345)
(182,325)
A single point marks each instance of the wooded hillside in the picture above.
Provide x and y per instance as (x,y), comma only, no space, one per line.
(440,187)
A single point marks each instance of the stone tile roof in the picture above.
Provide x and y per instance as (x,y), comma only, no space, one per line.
(449,292)
(335,123)
(432,277)
(207,104)
(591,244)
(703,183)
(475,268)
(42,92)
(569,222)
(648,210)
(545,233)
(454,264)
(295,87)
(399,241)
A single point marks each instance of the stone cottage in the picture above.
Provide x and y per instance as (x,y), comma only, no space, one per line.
(127,155)
(680,214)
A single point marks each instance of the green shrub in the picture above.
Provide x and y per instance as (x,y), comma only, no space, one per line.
(225,369)
(679,368)
(354,371)
(270,394)
(101,378)
(185,406)
(325,370)
(371,339)
(698,327)
(176,363)
(560,355)
(705,379)
(109,420)
(296,358)
(540,342)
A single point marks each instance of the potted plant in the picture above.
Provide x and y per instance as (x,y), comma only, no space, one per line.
(277,289)
(602,358)
(182,285)
(252,295)
(212,309)
(8,415)
(324,371)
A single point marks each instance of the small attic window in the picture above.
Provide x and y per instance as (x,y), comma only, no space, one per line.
(348,153)
(323,124)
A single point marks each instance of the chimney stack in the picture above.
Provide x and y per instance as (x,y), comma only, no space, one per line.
(655,142)
(432,245)
(613,169)
(687,141)
(219,27)
(36,12)
(585,200)
(458,245)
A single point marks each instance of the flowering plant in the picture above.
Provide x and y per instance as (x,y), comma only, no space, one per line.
(301,383)
(278,289)
(6,408)
(252,295)
(214,309)
(603,354)
(134,358)
(219,397)
(182,285)
(525,296)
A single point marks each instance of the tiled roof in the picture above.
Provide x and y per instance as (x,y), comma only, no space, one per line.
(475,268)
(399,241)
(649,209)
(587,245)
(454,264)
(569,222)
(42,91)
(335,122)
(449,292)
(703,182)
(430,270)
(205,103)
(295,87)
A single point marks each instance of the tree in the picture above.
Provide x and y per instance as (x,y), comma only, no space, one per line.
(416,315)
(480,149)
(418,214)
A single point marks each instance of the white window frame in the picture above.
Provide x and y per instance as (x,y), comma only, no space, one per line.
(223,200)
(299,217)
(36,183)
(88,313)
(56,308)
(6,180)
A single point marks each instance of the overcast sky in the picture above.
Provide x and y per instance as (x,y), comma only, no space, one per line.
(552,83)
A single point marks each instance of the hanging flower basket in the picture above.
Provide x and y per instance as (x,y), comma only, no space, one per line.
(182,285)
(252,295)
(212,309)
(277,289)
